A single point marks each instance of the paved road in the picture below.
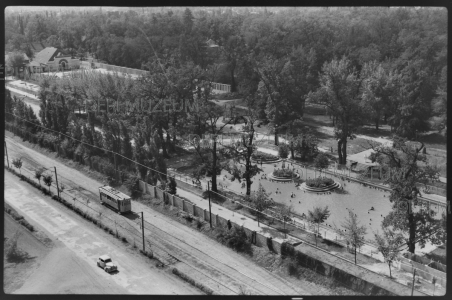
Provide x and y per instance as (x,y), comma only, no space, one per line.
(203,257)
(84,243)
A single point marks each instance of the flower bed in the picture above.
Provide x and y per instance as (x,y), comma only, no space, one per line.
(319,182)
(283,173)
(263,156)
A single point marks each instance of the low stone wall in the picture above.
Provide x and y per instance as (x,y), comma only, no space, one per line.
(355,277)
(423,271)
(188,187)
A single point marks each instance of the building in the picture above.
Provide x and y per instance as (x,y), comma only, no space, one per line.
(51,59)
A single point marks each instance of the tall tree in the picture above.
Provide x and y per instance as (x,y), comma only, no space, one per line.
(408,167)
(241,166)
(377,91)
(340,91)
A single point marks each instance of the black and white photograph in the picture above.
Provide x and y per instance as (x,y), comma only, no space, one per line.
(294,151)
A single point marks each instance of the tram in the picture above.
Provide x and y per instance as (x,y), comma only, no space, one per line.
(118,201)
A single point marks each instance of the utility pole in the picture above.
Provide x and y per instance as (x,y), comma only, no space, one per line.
(142,228)
(210,210)
(56,179)
(414,275)
(6,151)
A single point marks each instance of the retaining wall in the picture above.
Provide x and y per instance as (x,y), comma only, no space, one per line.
(356,277)
(428,273)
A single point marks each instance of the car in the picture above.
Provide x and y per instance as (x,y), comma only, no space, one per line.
(105,263)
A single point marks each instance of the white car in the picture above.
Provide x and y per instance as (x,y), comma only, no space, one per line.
(105,263)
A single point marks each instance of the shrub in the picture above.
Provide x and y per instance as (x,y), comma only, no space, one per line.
(132,185)
(12,252)
(235,238)
(283,151)
(258,155)
(283,173)
(199,223)
(292,267)
(321,161)
(319,182)
(124,239)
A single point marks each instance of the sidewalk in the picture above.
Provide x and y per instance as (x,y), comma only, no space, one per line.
(22,93)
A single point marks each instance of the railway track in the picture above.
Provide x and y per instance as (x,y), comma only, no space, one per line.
(225,277)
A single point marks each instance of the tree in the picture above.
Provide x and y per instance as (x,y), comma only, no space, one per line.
(133,186)
(171,186)
(340,91)
(285,213)
(48,180)
(354,233)
(208,120)
(305,144)
(9,106)
(377,91)
(439,103)
(38,174)
(18,164)
(241,165)
(407,166)
(126,145)
(389,245)
(318,215)
(321,162)
(283,150)
(15,60)
(260,201)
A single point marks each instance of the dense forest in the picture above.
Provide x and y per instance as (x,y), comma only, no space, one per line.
(378,63)
(366,66)
(288,48)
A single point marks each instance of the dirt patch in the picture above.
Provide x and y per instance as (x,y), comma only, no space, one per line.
(16,274)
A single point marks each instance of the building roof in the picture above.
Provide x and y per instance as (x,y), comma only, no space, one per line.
(211,43)
(115,194)
(45,55)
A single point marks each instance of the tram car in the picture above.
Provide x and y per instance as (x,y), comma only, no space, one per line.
(114,199)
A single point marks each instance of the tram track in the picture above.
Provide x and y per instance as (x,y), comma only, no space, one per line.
(200,254)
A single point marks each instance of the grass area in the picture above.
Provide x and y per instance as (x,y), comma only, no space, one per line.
(434,140)
(439,254)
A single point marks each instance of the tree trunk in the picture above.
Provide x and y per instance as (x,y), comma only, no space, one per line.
(174,127)
(233,88)
(344,151)
(214,166)
(377,123)
(390,274)
(165,153)
(276,136)
(355,255)
(339,151)
(412,232)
